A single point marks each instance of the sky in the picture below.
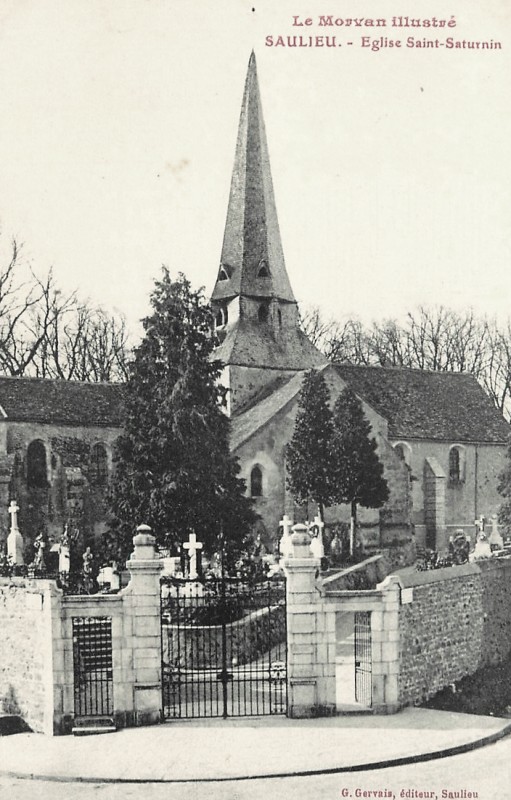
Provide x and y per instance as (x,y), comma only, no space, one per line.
(391,167)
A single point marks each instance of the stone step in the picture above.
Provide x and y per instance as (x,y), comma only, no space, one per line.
(87,726)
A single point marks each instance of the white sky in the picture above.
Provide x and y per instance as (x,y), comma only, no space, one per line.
(392,169)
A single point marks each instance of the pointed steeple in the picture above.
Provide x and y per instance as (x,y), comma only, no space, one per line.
(252,261)
(256,315)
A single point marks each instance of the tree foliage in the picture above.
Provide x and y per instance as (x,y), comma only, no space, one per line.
(358,471)
(308,455)
(504,489)
(174,470)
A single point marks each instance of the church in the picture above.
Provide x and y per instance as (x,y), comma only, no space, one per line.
(440,438)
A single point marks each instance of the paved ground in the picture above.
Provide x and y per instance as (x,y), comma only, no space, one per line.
(245,748)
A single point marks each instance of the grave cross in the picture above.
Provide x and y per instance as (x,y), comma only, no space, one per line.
(480,523)
(193,547)
(13,511)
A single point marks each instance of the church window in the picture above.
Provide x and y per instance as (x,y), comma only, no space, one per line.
(456,465)
(223,275)
(37,475)
(404,451)
(221,317)
(263,271)
(99,465)
(263,312)
(256,482)
(279,316)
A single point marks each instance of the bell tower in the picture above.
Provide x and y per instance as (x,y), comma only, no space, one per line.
(256,314)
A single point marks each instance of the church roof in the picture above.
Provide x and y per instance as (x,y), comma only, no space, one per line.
(60,402)
(248,343)
(252,261)
(245,424)
(419,404)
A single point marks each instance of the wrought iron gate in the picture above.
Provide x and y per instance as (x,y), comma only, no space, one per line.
(92,666)
(363,658)
(223,647)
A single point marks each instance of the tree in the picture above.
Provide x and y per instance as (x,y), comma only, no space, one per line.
(46,333)
(174,470)
(357,470)
(504,489)
(308,455)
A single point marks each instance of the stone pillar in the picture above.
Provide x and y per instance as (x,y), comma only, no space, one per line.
(142,600)
(434,505)
(302,602)
(385,648)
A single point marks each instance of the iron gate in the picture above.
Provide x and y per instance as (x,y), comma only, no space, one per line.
(92,666)
(223,647)
(363,658)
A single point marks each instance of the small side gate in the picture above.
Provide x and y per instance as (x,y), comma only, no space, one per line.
(92,667)
(223,647)
(363,658)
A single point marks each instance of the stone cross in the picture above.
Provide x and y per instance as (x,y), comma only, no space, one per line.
(13,511)
(15,539)
(193,547)
(285,545)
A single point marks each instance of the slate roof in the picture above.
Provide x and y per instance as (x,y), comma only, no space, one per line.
(418,404)
(245,424)
(248,343)
(61,402)
(252,233)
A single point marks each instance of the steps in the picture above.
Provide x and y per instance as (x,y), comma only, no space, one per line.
(88,726)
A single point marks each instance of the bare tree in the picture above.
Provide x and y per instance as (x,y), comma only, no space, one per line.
(49,334)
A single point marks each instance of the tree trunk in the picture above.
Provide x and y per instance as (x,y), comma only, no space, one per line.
(353,526)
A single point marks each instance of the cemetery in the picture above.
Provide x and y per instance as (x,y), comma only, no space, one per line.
(85,656)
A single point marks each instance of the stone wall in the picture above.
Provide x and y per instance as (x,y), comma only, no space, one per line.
(26,652)
(452,622)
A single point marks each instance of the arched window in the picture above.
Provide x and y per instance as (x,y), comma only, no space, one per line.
(222,317)
(256,482)
(99,465)
(279,317)
(400,451)
(456,465)
(37,475)
(263,312)
(404,451)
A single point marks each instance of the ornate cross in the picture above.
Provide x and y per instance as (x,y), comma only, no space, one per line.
(193,547)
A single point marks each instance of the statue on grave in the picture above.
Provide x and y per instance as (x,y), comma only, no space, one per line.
(482,548)
(39,548)
(459,547)
(64,552)
(88,581)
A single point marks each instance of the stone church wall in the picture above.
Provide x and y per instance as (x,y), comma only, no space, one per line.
(458,621)
(68,494)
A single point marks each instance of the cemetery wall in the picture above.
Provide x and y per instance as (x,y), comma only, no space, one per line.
(458,620)
(26,688)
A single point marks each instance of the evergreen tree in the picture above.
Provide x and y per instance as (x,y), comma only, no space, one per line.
(358,471)
(308,455)
(174,470)
(504,488)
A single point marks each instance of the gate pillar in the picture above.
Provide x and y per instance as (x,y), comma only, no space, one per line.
(308,671)
(142,602)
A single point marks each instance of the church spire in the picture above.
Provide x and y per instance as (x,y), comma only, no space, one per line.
(252,261)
